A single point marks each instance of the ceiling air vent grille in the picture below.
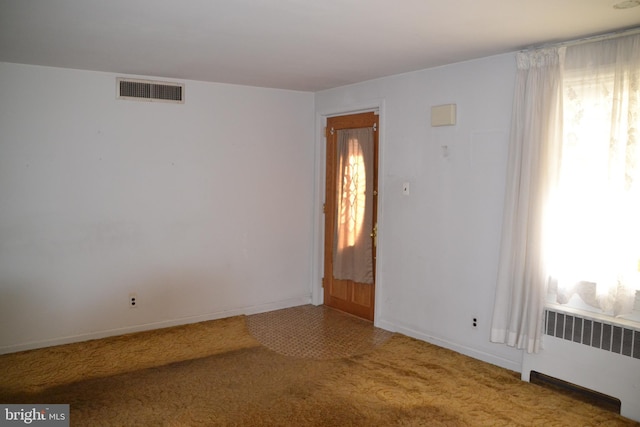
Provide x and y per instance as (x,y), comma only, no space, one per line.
(147,90)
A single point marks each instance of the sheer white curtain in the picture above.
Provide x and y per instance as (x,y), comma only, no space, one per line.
(534,153)
(353,247)
(595,247)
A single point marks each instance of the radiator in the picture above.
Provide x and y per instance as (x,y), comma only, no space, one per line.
(591,353)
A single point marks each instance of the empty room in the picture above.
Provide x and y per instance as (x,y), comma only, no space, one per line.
(319,213)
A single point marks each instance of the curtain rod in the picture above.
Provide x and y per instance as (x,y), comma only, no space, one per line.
(588,39)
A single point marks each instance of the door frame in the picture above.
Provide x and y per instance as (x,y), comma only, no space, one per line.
(317,267)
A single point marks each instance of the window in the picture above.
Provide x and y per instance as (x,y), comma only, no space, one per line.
(352,198)
(594,231)
(571,215)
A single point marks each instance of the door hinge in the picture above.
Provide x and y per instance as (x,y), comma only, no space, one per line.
(324,208)
(374,235)
(323,282)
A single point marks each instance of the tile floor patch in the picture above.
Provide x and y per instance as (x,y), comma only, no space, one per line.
(315,332)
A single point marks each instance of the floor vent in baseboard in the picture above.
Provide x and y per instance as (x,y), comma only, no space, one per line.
(583,394)
(148,90)
(594,333)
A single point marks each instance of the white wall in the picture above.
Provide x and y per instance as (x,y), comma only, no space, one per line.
(439,246)
(203,209)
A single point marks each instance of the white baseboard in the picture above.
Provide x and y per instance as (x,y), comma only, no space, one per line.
(260,308)
(467,351)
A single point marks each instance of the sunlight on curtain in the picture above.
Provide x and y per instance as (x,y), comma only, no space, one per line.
(534,150)
(352,203)
(594,250)
(572,206)
(353,256)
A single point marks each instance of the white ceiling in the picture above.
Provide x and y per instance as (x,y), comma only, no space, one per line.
(306,45)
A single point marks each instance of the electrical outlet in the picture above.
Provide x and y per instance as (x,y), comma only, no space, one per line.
(133,300)
(475,322)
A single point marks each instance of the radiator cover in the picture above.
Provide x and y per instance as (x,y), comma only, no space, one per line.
(594,333)
(591,353)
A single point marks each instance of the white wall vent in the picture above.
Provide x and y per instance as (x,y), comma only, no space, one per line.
(148,90)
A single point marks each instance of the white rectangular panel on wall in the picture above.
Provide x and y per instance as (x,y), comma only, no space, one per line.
(443,115)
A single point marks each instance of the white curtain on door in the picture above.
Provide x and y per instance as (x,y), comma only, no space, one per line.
(534,153)
(353,247)
(596,240)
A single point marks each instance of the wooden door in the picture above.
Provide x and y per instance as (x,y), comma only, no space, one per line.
(351,292)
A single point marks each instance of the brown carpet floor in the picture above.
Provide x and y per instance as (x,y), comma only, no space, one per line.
(216,374)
